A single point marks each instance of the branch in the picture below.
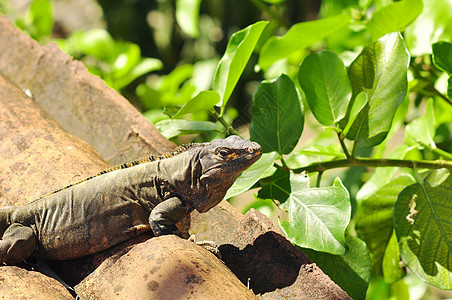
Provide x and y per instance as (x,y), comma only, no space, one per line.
(373,163)
(223,122)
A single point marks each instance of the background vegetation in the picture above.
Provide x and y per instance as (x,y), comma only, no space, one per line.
(354,96)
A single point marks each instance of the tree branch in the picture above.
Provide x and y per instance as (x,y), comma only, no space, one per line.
(373,163)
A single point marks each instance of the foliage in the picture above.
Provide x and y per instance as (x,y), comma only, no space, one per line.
(370,80)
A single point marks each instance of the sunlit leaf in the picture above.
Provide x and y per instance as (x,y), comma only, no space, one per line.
(318,216)
(393,17)
(422,129)
(235,58)
(187,16)
(251,175)
(381,72)
(299,37)
(392,269)
(203,101)
(431,26)
(174,127)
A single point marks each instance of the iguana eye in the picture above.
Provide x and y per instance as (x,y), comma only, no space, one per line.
(223,152)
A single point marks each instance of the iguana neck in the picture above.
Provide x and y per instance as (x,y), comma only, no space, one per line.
(183,173)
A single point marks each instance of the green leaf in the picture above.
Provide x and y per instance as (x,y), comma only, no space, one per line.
(422,129)
(449,87)
(351,270)
(392,270)
(431,26)
(381,72)
(40,18)
(235,58)
(299,37)
(374,219)
(442,56)
(325,82)
(393,17)
(358,105)
(278,187)
(187,16)
(142,67)
(278,118)
(174,127)
(251,175)
(423,218)
(381,176)
(203,101)
(313,154)
(318,216)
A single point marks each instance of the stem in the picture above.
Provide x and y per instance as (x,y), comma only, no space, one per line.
(344,148)
(430,85)
(372,162)
(319,178)
(229,128)
(442,153)
(436,92)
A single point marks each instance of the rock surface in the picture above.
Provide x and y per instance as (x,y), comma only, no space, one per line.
(18,283)
(166,267)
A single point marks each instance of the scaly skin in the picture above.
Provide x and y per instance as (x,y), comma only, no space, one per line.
(104,210)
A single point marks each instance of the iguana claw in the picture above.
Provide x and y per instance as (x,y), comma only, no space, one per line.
(210,246)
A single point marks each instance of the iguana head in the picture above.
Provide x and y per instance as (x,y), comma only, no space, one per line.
(221,163)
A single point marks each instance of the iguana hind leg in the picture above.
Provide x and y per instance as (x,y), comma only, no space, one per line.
(17,244)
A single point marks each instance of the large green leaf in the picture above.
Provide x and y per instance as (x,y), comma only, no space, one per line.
(325,82)
(381,72)
(174,127)
(351,270)
(278,118)
(423,219)
(318,216)
(374,219)
(442,56)
(393,17)
(235,58)
(251,175)
(299,37)
(187,16)
(203,101)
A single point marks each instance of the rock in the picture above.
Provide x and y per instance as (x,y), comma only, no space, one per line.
(166,267)
(18,283)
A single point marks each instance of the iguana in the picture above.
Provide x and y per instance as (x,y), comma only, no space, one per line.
(148,194)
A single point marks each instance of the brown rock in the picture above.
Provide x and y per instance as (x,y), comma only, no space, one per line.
(164,268)
(81,103)
(38,156)
(18,283)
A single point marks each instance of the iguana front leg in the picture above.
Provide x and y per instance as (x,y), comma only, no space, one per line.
(17,244)
(166,214)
